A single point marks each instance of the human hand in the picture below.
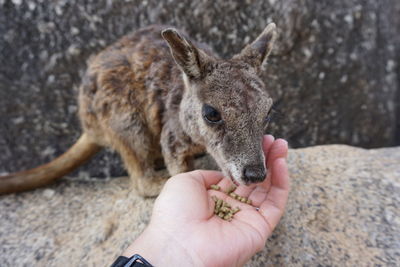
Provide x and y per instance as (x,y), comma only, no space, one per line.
(184,230)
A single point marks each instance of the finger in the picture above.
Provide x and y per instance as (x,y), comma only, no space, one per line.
(280,176)
(258,195)
(268,140)
(207,178)
(279,149)
(225,184)
(273,206)
(245,191)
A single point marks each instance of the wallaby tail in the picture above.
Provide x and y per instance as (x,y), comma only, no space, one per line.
(40,176)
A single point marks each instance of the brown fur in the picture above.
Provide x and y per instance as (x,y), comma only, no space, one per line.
(146,104)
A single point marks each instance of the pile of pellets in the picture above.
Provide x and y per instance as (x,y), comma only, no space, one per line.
(222,209)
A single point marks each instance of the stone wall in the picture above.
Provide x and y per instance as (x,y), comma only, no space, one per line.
(334,74)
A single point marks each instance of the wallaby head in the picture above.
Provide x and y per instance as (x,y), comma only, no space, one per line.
(225,105)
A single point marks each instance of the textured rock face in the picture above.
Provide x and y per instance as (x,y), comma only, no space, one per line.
(334,73)
(343,210)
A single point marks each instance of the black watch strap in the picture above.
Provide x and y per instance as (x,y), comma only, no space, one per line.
(134,261)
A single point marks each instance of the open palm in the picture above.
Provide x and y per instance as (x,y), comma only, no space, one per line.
(184,212)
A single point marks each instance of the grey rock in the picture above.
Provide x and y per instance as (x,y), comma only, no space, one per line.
(343,210)
(334,74)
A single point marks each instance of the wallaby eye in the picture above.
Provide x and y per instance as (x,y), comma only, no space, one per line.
(210,114)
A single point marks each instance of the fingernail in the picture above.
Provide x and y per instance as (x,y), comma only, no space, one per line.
(283,140)
(268,136)
(287,143)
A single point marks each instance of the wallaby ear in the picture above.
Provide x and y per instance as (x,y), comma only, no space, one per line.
(257,52)
(188,57)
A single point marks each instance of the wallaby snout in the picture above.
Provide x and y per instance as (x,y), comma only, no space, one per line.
(247,167)
(254,174)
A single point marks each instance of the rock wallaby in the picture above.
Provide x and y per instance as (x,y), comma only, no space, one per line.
(154,95)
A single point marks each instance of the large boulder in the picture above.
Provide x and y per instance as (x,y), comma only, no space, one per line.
(343,210)
(334,73)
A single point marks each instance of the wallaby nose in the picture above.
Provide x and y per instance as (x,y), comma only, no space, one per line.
(254,173)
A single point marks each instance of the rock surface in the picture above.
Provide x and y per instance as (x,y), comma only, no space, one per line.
(334,74)
(344,210)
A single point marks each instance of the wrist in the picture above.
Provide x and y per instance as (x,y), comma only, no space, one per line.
(161,249)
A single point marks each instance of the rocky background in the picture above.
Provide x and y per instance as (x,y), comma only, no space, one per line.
(334,74)
(343,210)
